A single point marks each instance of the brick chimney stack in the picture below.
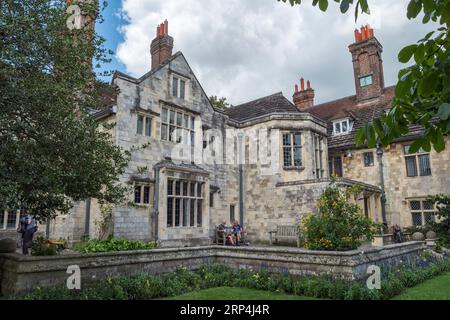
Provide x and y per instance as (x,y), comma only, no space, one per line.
(367,64)
(303,98)
(162,45)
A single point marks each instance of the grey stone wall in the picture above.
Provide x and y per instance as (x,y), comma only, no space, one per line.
(400,188)
(24,273)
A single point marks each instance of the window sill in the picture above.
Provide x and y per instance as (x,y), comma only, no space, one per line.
(141,205)
(341,134)
(301,168)
(182,228)
(419,176)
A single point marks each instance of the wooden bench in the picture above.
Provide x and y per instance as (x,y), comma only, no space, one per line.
(284,233)
(220,236)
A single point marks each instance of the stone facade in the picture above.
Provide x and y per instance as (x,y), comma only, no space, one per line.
(264,163)
(400,189)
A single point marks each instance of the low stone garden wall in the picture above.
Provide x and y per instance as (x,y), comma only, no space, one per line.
(24,273)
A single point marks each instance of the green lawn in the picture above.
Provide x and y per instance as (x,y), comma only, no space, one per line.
(225,293)
(435,289)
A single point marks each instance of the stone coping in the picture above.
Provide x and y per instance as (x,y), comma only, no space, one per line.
(407,246)
(23,273)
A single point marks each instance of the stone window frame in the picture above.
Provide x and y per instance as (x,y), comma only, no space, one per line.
(422,208)
(142,194)
(319,147)
(145,120)
(332,165)
(211,199)
(296,163)
(340,124)
(232,213)
(6,223)
(181,91)
(420,160)
(368,162)
(184,133)
(183,197)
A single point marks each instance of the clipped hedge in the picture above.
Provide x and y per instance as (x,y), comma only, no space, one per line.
(144,287)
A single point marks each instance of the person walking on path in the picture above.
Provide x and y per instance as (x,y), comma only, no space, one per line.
(28,227)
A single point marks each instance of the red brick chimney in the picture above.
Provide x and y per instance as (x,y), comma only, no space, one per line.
(304,98)
(367,64)
(162,45)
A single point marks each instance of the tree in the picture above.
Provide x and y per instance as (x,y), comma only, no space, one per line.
(422,94)
(52,152)
(219,103)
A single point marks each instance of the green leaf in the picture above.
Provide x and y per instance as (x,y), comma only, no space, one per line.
(444,111)
(345,4)
(357,11)
(419,54)
(364,6)
(414,8)
(403,88)
(323,5)
(406,53)
(416,146)
(439,143)
(360,137)
(428,84)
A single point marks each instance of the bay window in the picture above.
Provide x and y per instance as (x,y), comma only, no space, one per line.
(292,150)
(184,203)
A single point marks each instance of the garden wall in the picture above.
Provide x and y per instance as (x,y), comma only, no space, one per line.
(24,273)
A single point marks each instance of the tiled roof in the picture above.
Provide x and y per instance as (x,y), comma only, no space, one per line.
(275,103)
(340,108)
(360,113)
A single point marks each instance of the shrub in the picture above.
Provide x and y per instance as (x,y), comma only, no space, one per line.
(41,247)
(112,244)
(339,225)
(442,228)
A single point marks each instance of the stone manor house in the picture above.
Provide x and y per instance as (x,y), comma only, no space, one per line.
(264,162)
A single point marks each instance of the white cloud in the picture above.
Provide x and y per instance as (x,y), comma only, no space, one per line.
(244,49)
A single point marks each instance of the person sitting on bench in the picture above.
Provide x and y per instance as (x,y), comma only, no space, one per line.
(224,232)
(237,230)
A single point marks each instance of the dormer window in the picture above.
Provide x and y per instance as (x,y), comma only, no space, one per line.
(343,126)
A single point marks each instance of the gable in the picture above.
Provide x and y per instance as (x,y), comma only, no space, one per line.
(177,65)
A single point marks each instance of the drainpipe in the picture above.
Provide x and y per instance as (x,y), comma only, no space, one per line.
(155,206)
(47,229)
(383,193)
(241,179)
(88,219)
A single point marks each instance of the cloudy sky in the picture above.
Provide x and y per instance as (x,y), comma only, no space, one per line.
(245,49)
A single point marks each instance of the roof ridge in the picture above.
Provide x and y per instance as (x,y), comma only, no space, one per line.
(347,97)
(261,98)
(332,101)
